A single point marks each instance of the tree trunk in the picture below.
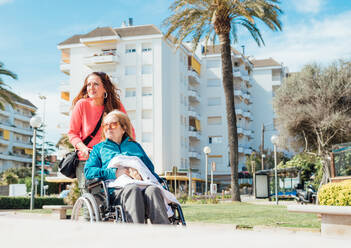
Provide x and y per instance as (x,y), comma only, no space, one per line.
(325,168)
(227,74)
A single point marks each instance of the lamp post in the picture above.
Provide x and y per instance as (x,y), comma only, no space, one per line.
(274,140)
(35,122)
(207,150)
(43,98)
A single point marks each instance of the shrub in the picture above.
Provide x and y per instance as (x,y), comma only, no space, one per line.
(73,195)
(335,194)
(20,202)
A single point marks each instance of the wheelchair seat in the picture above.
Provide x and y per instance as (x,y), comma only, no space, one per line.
(100,208)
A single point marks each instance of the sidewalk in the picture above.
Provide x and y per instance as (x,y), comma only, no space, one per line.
(16,231)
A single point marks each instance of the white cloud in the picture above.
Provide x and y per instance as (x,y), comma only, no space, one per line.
(308,6)
(316,41)
(2,2)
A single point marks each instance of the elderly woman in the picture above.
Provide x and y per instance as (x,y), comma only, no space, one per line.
(136,203)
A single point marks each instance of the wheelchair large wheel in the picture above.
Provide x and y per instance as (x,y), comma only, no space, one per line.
(88,202)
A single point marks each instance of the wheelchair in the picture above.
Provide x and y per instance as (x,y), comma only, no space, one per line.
(100,208)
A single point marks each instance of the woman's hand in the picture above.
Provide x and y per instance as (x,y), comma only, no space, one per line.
(83,149)
(133,173)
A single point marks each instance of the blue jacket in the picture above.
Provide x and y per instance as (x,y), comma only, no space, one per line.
(102,153)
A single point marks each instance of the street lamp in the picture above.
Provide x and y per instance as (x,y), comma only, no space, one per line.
(274,140)
(35,122)
(43,98)
(207,150)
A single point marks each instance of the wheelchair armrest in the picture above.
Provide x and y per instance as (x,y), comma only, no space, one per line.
(93,183)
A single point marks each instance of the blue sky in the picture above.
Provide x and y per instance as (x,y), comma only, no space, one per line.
(313,31)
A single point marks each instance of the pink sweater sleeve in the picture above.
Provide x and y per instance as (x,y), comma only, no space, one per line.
(75,125)
(124,111)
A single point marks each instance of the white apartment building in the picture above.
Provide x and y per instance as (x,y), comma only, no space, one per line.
(154,80)
(212,109)
(268,75)
(174,98)
(16,133)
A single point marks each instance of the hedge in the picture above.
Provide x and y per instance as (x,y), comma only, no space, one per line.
(335,194)
(20,202)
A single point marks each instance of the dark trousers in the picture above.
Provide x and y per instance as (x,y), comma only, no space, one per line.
(138,204)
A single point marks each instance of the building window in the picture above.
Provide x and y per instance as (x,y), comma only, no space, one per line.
(131,92)
(130,49)
(214,120)
(146,69)
(147,91)
(214,101)
(215,139)
(213,83)
(146,114)
(130,70)
(146,47)
(147,137)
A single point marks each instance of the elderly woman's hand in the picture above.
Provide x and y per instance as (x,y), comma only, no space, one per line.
(133,173)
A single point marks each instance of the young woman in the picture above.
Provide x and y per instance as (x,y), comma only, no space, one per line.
(97,96)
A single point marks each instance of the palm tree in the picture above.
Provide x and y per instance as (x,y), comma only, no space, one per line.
(4,94)
(209,19)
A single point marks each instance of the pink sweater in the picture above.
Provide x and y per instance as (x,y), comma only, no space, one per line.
(85,116)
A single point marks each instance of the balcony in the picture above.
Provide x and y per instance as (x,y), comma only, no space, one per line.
(194,95)
(22,144)
(65,68)
(64,107)
(239,93)
(239,112)
(195,155)
(193,113)
(194,134)
(104,58)
(20,130)
(246,78)
(248,115)
(22,117)
(236,73)
(4,113)
(4,142)
(18,158)
(193,76)
(244,150)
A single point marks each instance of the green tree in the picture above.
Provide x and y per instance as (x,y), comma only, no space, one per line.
(309,166)
(4,94)
(313,110)
(8,177)
(222,18)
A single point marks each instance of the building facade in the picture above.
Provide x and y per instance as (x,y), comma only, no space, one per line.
(16,133)
(267,75)
(173,97)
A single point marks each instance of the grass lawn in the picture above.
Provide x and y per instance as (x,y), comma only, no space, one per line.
(247,214)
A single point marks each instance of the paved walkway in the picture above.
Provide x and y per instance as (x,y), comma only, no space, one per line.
(18,229)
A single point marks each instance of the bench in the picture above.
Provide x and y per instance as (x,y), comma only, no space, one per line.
(61,209)
(336,220)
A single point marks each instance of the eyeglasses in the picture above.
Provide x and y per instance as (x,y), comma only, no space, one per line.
(111,125)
